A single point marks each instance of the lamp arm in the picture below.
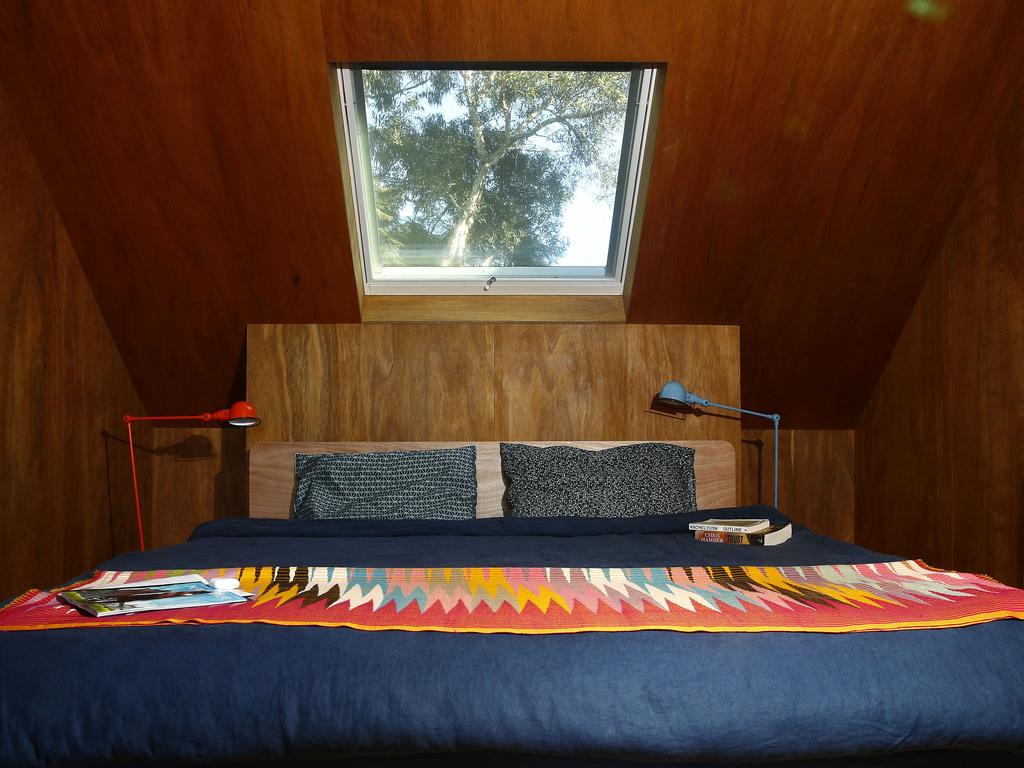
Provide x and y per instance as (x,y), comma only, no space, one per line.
(775,423)
(129,419)
(241,414)
(135,484)
(773,417)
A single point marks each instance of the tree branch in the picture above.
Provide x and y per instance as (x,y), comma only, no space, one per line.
(537,112)
(474,115)
(522,136)
(412,86)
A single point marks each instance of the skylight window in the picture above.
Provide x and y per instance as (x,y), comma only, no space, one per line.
(508,180)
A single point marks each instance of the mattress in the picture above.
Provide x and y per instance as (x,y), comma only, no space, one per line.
(307,694)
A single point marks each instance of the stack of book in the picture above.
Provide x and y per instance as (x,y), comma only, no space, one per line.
(745,531)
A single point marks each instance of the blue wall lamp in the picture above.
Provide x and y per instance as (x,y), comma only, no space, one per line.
(674,393)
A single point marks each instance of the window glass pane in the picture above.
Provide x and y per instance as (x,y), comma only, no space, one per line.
(496,171)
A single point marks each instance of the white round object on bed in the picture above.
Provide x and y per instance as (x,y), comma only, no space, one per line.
(225,583)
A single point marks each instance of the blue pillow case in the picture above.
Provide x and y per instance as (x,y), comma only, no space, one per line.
(436,484)
(625,481)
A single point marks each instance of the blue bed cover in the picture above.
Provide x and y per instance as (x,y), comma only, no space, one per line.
(236,693)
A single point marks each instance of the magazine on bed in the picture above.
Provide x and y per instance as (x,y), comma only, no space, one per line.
(187,591)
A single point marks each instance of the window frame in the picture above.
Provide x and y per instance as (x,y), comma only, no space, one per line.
(572,280)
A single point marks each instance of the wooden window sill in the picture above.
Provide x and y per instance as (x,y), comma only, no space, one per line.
(484,309)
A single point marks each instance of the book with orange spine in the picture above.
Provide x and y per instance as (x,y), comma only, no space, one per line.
(777,534)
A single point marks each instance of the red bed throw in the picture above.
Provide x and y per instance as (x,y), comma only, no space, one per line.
(822,598)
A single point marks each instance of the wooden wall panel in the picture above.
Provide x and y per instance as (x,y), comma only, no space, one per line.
(809,157)
(986,257)
(189,147)
(481,382)
(197,475)
(816,476)
(707,363)
(65,494)
(357,383)
(486,308)
(940,462)
(561,382)
(903,442)
(801,179)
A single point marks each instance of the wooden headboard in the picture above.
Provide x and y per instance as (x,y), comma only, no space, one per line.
(272,471)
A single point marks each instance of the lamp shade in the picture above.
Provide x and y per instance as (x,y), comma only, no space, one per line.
(675,393)
(242,414)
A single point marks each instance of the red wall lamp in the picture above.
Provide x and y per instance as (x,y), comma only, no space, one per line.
(241,414)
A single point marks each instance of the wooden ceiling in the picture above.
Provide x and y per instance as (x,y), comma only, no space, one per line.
(809,158)
(189,149)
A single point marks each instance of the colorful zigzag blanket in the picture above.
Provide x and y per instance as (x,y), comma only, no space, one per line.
(821,598)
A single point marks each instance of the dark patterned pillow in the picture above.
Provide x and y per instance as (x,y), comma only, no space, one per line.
(627,481)
(398,485)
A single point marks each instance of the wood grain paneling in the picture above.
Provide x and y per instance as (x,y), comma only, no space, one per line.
(986,257)
(904,438)
(197,475)
(809,156)
(189,147)
(816,476)
(561,382)
(575,382)
(708,363)
(940,463)
(65,492)
(493,309)
(484,382)
(356,383)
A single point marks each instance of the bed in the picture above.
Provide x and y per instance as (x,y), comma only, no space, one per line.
(317,695)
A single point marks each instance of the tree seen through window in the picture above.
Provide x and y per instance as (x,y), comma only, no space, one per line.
(494,168)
